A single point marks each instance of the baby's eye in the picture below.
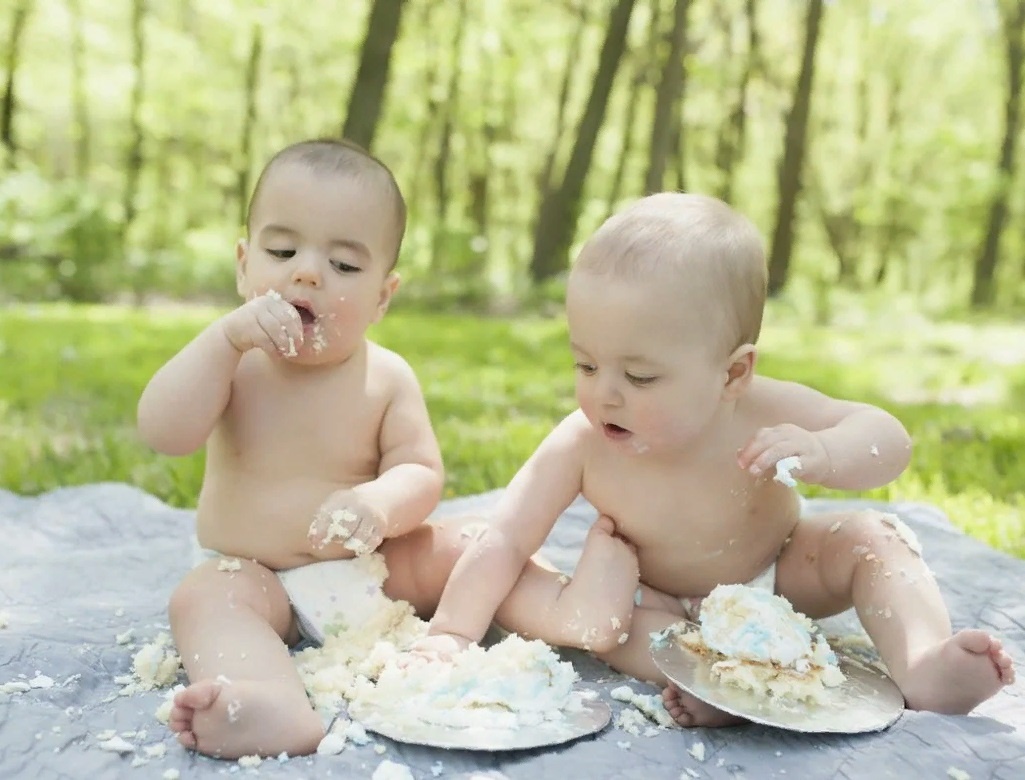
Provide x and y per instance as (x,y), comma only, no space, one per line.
(586,368)
(281,254)
(345,268)
(640,381)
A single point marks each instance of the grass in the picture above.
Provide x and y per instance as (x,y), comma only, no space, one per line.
(71,376)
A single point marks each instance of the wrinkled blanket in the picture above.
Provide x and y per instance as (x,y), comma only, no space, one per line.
(79,566)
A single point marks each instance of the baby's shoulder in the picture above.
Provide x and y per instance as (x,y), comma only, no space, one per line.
(388,368)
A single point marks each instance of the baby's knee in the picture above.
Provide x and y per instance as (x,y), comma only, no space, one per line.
(870,533)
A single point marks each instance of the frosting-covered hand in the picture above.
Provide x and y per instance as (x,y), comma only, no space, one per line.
(266,322)
(436,647)
(770,445)
(345,521)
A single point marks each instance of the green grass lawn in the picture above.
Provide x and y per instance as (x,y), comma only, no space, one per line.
(70,377)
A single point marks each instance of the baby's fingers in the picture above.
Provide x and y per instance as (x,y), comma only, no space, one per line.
(767,460)
(282,342)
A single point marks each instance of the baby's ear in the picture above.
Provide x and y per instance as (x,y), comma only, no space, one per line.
(241,253)
(740,370)
(388,288)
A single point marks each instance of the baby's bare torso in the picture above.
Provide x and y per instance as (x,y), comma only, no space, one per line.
(694,525)
(287,440)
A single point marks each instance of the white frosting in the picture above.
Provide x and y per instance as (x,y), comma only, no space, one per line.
(512,684)
(760,643)
(751,624)
(783,469)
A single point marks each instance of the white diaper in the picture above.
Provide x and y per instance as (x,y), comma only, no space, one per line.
(323,594)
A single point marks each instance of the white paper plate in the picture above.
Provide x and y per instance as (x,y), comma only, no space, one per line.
(592,716)
(867,700)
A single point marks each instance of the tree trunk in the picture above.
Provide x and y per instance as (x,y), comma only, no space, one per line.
(893,230)
(79,94)
(252,81)
(733,137)
(557,217)
(793,156)
(480,158)
(572,58)
(10,101)
(430,83)
(667,101)
(367,98)
(133,163)
(443,161)
(642,77)
(983,288)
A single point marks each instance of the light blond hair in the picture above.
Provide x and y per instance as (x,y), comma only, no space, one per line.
(696,241)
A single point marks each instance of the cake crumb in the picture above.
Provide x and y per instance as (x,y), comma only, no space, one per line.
(117,745)
(390,770)
(958,774)
(904,533)
(229,564)
(158,750)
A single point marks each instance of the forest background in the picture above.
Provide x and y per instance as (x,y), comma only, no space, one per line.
(875,143)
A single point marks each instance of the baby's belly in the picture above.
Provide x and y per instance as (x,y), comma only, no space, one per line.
(261,518)
(687,568)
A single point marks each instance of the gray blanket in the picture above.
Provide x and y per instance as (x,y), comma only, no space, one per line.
(79,566)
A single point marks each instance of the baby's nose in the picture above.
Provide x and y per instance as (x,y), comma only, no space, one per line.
(306,272)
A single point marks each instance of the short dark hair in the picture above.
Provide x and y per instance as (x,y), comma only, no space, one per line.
(338,155)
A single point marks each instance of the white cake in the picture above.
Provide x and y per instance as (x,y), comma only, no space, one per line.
(757,641)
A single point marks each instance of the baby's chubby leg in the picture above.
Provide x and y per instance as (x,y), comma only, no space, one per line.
(590,610)
(864,559)
(245,695)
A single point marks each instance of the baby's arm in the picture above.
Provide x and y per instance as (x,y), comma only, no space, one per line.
(185,398)
(411,475)
(487,571)
(842,445)
(408,485)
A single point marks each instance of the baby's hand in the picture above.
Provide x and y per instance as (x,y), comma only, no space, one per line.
(346,521)
(266,322)
(771,445)
(435,647)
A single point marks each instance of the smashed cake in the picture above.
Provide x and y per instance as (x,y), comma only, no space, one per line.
(756,641)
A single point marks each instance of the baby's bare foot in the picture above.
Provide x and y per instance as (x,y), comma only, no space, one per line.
(599,601)
(689,711)
(958,674)
(230,720)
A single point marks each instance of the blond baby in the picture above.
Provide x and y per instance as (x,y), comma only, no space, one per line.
(675,443)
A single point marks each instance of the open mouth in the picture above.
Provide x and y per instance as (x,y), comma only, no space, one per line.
(614,431)
(305,314)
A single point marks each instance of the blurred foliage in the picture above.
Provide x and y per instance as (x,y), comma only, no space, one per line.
(495,387)
(900,170)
